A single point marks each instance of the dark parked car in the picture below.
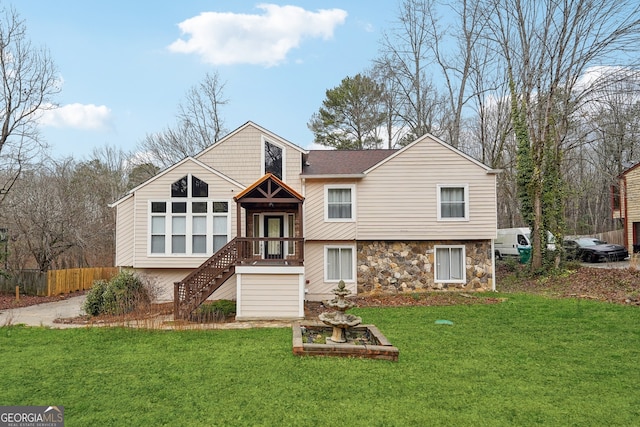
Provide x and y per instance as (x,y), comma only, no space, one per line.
(590,249)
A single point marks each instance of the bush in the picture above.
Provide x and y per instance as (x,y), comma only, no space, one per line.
(94,301)
(122,294)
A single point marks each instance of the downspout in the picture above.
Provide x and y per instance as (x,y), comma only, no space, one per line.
(493,265)
(303,224)
(135,221)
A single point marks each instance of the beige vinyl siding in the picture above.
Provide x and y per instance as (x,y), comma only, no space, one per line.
(161,282)
(124,233)
(633,203)
(398,200)
(159,190)
(269,296)
(240,158)
(317,288)
(315,226)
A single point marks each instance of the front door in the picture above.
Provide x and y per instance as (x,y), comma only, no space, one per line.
(273,226)
(636,237)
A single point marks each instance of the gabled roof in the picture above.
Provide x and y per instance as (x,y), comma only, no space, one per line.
(342,163)
(438,141)
(629,169)
(255,126)
(258,188)
(171,168)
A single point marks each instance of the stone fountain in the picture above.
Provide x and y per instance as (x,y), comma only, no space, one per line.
(360,341)
(338,319)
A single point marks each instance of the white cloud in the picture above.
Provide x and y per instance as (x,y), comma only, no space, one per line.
(78,116)
(593,74)
(266,39)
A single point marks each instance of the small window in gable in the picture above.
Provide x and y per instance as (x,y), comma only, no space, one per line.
(179,188)
(273,159)
(199,188)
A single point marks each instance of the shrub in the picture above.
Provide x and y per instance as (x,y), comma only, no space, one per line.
(217,310)
(94,301)
(120,295)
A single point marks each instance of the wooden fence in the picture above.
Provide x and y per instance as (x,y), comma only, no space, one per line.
(76,279)
(31,282)
(615,237)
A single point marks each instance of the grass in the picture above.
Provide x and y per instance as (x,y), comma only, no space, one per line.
(527,361)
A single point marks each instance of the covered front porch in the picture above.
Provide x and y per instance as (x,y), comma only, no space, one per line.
(269,271)
(266,257)
(273,224)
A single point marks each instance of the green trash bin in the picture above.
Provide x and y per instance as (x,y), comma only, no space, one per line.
(525,255)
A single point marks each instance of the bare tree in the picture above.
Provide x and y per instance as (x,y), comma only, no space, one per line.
(44,214)
(59,214)
(200,124)
(454,46)
(393,125)
(405,61)
(29,82)
(547,47)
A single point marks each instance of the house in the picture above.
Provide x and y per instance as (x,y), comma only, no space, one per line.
(626,206)
(269,224)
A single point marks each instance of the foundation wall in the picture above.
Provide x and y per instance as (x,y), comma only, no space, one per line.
(408,266)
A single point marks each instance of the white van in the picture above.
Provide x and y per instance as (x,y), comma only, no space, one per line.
(509,240)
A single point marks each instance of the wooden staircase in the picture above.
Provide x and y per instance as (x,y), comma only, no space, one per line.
(194,289)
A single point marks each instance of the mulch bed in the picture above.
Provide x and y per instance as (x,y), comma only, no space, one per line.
(8,301)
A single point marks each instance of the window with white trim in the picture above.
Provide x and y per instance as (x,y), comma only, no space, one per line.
(339,202)
(339,263)
(453,202)
(450,264)
(189,223)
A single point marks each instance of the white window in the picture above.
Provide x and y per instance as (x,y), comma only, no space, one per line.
(339,263)
(339,203)
(450,264)
(189,223)
(158,231)
(453,202)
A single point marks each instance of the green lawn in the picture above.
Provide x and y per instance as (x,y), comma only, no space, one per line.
(527,361)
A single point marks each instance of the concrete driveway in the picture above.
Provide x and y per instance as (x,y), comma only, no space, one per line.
(44,314)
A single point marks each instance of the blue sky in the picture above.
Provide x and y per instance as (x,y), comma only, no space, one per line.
(126,65)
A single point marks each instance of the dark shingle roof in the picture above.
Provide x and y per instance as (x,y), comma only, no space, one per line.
(342,162)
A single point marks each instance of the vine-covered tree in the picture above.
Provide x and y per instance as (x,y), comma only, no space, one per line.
(547,47)
(351,116)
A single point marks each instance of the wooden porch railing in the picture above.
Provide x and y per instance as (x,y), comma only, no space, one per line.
(194,289)
(271,250)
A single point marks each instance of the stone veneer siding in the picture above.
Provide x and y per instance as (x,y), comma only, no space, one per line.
(407,266)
